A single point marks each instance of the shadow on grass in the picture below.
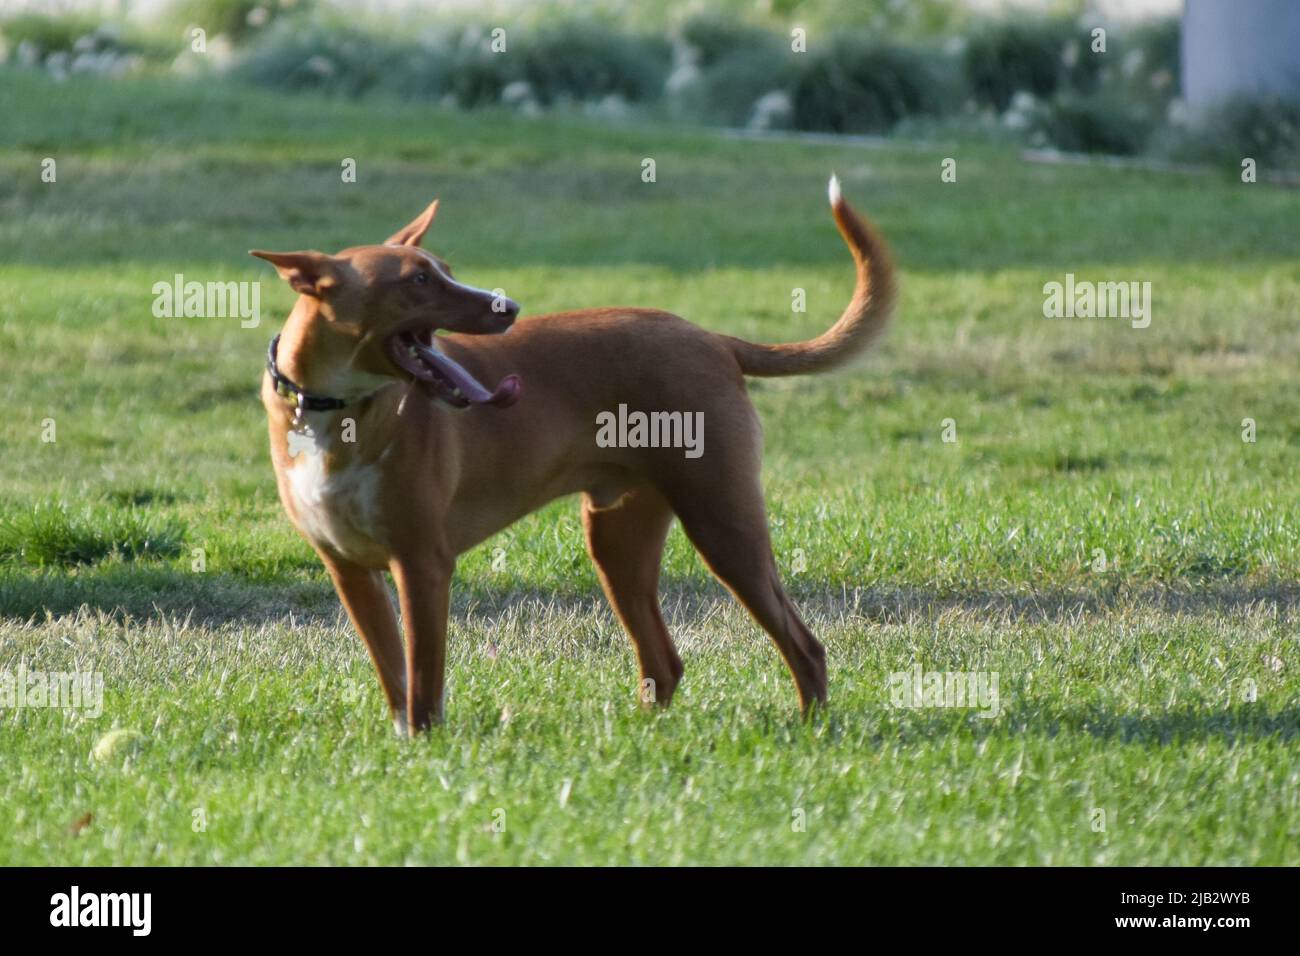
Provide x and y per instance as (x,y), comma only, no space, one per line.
(148,592)
(1187,723)
(143,594)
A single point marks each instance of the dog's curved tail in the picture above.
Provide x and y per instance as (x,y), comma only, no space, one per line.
(863,320)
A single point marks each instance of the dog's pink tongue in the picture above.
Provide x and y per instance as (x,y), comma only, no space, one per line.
(506,393)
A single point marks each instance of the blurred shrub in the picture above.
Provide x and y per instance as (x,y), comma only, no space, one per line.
(1035,56)
(1160,44)
(582,61)
(468,70)
(65,45)
(303,55)
(856,84)
(1095,123)
(1042,77)
(1265,129)
(727,67)
(730,90)
(712,38)
(563,61)
(1144,68)
(571,61)
(1033,77)
(233,19)
(47,34)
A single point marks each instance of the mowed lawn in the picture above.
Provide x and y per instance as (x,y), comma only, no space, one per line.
(1098,536)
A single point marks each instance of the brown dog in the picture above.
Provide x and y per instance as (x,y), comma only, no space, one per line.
(390,454)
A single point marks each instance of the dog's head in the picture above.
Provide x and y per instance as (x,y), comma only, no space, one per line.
(391,299)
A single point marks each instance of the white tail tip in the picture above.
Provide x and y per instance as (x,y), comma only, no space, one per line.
(834,190)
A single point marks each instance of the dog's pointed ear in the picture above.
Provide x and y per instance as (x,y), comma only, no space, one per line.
(413,232)
(310,273)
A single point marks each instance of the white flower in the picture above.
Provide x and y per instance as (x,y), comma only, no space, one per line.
(771,111)
(611,108)
(682,78)
(516,93)
(320,65)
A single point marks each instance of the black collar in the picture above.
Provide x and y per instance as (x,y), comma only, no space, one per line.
(303,400)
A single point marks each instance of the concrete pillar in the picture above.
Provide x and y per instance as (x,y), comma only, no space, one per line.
(1240,48)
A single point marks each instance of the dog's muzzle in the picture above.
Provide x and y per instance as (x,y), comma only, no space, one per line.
(449,381)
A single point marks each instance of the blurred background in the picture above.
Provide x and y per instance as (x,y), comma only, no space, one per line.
(1201,81)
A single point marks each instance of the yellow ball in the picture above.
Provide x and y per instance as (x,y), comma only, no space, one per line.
(116,744)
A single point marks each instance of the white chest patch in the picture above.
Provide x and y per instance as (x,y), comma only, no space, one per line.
(338,509)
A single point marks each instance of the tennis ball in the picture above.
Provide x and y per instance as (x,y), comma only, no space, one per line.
(117,743)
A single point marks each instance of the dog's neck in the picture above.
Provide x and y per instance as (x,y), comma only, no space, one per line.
(319,359)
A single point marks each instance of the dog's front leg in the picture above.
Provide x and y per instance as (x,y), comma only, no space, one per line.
(424,586)
(368,605)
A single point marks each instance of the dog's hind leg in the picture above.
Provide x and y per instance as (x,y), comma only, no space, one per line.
(626,542)
(728,526)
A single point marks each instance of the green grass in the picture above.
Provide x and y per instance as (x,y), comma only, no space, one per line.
(146,541)
(53,534)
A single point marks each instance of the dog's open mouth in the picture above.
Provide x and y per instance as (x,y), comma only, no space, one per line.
(417,352)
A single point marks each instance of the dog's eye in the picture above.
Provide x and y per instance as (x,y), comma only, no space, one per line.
(420,278)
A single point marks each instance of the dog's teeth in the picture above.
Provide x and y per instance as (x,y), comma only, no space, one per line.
(414,352)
